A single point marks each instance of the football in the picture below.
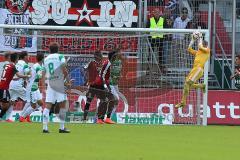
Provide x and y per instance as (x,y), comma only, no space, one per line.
(197,35)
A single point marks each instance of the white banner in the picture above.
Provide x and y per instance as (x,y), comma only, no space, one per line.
(16,39)
(121,118)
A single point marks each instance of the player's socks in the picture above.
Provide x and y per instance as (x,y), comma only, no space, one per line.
(201,86)
(186,89)
(25,108)
(180,105)
(8,113)
(45,119)
(62,116)
(28,111)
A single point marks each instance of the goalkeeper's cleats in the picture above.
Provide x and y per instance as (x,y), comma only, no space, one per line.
(109,121)
(100,121)
(65,130)
(180,105)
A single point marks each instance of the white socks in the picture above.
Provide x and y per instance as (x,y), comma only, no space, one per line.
(45,118)
(24,108)
(62,116)
(9,111)
(27,112)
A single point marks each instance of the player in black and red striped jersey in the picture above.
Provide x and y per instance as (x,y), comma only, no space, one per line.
(9,70)
(106,106)
(93,70)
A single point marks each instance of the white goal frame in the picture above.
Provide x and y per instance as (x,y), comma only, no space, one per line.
(136,30)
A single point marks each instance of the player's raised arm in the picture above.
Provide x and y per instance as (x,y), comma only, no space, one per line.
(190,49)
(202,46)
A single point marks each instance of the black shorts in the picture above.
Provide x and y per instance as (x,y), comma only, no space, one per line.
(95,90)
(4,96)
(98,91)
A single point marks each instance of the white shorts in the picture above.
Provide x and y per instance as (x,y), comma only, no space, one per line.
(34,96)
(115,91)
(18,93)
(53,96)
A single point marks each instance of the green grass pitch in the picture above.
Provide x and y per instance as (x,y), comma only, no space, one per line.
(22,141)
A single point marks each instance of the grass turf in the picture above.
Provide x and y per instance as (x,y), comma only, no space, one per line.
(21,141)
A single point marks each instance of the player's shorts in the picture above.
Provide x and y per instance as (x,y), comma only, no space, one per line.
(52,96)
(115,91)
(4,96)
(18,93)
(99,92)
(95,90)
(34,96)
(195,74)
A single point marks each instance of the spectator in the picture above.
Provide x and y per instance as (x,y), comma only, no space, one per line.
(197,23)
(156,39)
(173,7)
(178,55)
(238,9)
(236,74)
(167,38)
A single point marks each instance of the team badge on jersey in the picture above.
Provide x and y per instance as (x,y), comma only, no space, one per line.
(17,6)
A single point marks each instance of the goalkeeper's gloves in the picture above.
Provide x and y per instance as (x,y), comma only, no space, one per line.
(200,42)
(191,43)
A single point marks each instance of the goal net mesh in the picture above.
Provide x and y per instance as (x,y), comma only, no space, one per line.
(152,76)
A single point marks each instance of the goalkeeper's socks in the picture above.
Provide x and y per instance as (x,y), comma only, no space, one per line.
(45,118)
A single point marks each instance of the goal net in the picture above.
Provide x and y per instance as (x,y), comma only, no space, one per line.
(152,76)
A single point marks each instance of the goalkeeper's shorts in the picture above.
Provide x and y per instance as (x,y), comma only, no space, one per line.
(195,74)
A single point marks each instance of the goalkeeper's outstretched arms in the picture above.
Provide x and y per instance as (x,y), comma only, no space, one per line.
(190,49)
(203,45)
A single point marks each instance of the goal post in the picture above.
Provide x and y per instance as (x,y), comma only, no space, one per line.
(152,76)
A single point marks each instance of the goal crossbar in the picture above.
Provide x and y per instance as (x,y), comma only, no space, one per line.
(103,29)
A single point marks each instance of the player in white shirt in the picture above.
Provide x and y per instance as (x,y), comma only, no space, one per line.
(34,97)
(17,86)
(57,78)
(17,89)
